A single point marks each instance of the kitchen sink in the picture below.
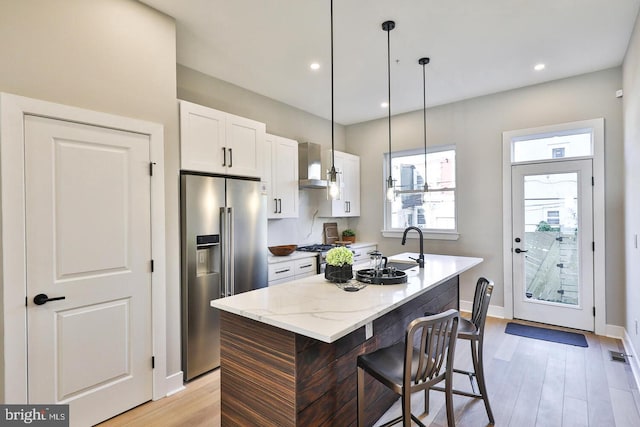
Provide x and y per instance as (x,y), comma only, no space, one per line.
(401,265)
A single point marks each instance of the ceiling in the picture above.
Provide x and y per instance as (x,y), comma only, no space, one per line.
(476,47)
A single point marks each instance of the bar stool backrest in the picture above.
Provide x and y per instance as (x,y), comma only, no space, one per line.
(481,299)
(433,338)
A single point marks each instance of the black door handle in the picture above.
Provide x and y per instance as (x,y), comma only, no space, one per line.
(518,250)
(43,299)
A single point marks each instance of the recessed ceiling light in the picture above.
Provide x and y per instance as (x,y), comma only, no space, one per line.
(539,67)
(314,66)
(384,105)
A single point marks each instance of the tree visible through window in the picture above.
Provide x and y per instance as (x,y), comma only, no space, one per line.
(434,210)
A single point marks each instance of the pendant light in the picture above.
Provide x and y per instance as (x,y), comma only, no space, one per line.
(334,184)
(424,62)
(388,26)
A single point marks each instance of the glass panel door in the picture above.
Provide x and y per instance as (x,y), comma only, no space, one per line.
(552,253)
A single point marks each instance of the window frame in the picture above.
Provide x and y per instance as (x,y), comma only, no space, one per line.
(428,233)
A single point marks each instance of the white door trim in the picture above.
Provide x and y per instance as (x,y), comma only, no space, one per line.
(13,347)
(599,293)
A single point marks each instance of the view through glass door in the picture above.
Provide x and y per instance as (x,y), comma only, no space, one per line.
(552,243)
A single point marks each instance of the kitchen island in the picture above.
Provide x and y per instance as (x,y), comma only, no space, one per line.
(288,353)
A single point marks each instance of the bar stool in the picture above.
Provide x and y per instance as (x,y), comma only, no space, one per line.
(473,330)
(405,368)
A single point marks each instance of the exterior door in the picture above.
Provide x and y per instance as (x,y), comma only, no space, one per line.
(88,241)
(552,248)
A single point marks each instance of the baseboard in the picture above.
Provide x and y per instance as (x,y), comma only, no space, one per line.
(614,331)
(175,383)
(494,310)
(632,358)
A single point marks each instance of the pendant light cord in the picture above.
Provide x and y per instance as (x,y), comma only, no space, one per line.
(424,62)
(388,26)
(332,122)
(389,94)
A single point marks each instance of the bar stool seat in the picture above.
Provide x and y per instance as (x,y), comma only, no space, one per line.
(423,359)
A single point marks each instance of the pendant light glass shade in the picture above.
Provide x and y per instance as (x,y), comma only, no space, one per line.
(334,183)
(388,26)
(424,62)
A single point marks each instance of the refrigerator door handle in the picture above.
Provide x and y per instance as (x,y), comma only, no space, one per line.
(232,288)
(223,252)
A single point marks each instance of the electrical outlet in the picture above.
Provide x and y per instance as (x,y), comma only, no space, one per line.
(368,330)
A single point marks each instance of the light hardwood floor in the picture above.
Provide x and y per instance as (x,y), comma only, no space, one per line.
(531,383)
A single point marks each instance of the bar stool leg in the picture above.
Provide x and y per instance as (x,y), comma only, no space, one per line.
(479,369)
(360,397)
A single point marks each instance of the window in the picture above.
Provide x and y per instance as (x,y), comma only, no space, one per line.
(552,145)
(434,211)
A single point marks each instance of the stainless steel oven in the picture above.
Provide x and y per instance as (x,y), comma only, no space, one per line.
(322,250)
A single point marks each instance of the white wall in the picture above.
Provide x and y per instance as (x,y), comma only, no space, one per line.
(631,101)
(475,126)
(114,56)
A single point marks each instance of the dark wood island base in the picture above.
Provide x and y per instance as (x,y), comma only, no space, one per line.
(273,377)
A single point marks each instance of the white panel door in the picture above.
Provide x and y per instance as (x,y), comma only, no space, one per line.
(88,240)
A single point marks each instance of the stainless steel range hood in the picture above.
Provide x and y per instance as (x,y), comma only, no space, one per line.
(310,166)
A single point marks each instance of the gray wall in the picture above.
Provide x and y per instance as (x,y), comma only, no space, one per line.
(631,85)
(281,119)
(475,126)
(114,56)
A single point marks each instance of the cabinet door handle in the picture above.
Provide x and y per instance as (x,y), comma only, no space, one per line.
(275,209)
(230,157)
(224,156)
(280,204)
(305,266)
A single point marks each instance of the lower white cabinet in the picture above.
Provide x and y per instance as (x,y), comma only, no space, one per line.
(361,252)
(286,271)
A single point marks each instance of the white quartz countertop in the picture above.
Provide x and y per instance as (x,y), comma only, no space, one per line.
(318,309)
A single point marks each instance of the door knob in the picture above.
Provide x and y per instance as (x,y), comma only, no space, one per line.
(43,299)
(518,250)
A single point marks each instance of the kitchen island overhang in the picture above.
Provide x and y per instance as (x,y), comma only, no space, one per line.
(288,352)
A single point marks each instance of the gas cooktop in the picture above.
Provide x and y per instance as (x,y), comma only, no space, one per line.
(316,248)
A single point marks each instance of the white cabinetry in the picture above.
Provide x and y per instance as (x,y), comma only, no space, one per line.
(361,252)
(281,176)
(349,203)
(217,142)
(292,269)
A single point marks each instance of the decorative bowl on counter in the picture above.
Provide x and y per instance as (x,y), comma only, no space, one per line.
(282,250)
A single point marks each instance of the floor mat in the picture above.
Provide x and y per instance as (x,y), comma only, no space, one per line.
(545,334)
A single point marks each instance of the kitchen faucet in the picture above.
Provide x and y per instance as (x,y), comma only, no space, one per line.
(420,259)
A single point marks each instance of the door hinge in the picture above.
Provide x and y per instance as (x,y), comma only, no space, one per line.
(26,301)
(593,181)
(152,266)
(151,168)
(593,246)
(594,311)
(153,362)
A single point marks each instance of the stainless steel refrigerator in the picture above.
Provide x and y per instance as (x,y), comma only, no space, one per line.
(224,252)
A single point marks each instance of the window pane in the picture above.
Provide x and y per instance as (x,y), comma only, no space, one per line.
(574,144)
(433,210)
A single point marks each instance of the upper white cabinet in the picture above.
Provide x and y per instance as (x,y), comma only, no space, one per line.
(281,176)
(349,203)
(217,142)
